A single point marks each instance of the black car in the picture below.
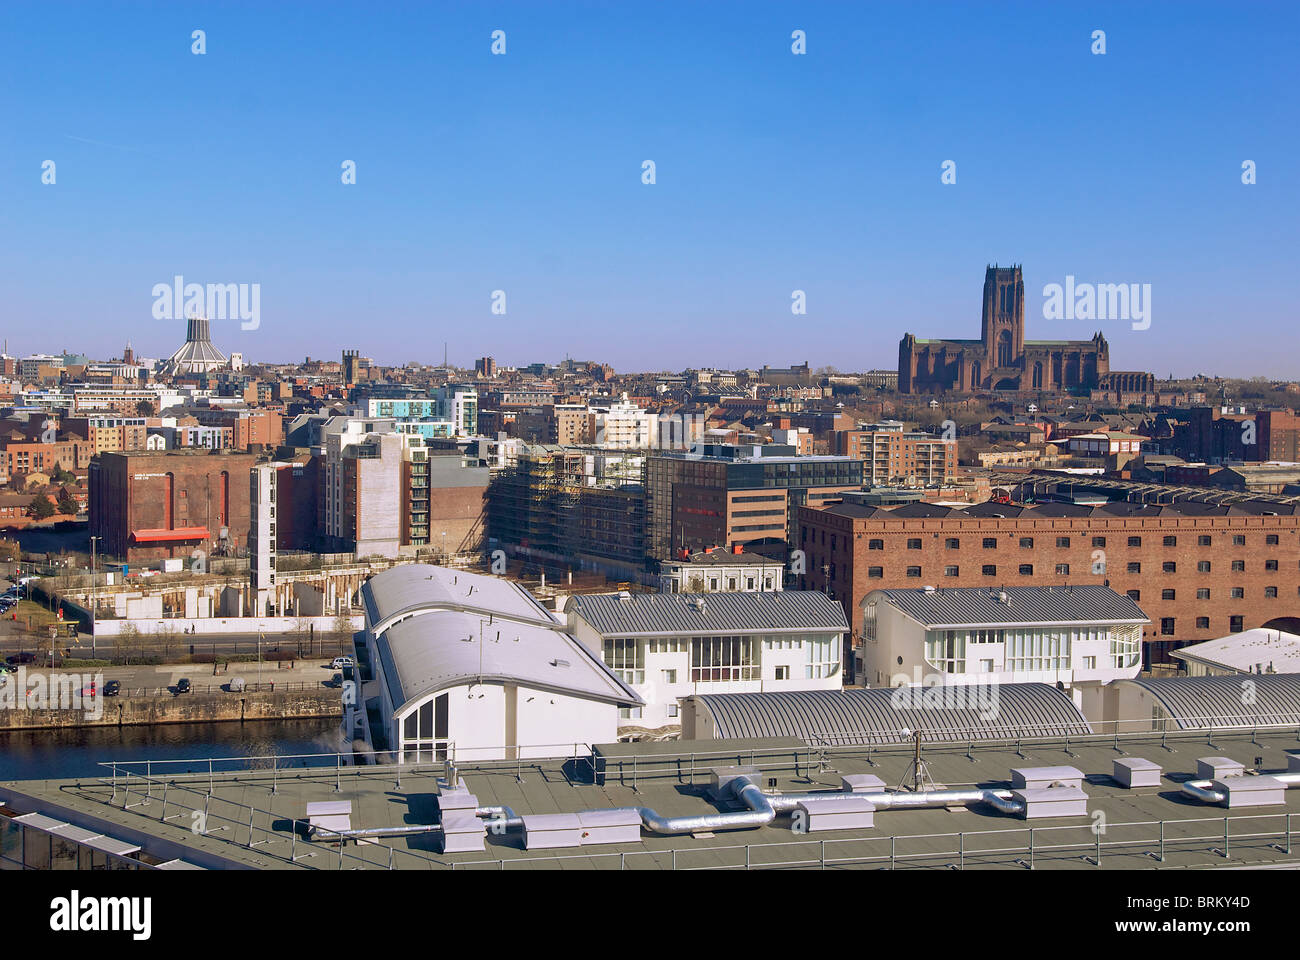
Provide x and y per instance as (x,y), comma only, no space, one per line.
(182,686)
(112,688)
(21,658)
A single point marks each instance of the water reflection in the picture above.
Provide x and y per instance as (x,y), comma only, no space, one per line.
(76,752)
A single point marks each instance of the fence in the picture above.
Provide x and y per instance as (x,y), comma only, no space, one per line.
(188,797)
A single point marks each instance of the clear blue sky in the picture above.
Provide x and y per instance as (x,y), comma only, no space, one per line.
(775,172)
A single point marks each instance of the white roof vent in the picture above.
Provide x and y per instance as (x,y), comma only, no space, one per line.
(697,603)
(625,595)
(930,589)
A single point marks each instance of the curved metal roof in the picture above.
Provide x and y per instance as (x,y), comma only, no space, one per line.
(1195,702)
(435,627)
(891,715)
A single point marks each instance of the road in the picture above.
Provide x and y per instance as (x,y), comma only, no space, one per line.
(13,640)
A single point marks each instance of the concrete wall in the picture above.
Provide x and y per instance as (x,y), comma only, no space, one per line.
(188,708)
(222,625)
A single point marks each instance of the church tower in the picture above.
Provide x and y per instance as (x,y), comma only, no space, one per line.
(1002,326)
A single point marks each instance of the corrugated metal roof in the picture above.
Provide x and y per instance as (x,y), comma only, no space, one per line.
(1197,701)
(891,716)
(951,606)
(658,614)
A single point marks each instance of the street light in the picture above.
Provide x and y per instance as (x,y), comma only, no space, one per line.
(93,596)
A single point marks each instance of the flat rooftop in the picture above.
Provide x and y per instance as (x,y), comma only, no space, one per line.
(252,806)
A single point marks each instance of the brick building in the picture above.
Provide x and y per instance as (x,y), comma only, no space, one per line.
(1198,570)
(893,455)
(737,495)
(1215,435)
(147,505)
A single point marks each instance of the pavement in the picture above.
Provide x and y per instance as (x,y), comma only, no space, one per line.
(314,672)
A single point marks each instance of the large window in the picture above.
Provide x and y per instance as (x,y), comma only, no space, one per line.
(626,658)
(946,650)
(723,659)
(1125,646)
(822,657)
(1037,650)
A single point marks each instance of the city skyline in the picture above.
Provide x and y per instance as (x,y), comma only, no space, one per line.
(775,172)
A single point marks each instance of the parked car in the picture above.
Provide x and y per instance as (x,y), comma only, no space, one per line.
(236,685)
(336,680)
(7,668)
(21,658)
(112,688)
(182,686)
(340,662)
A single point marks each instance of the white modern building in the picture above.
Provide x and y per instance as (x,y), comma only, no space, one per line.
(721,570)
(1257,651)
(1078,638)
(466,667)
(623,425)
(666,646)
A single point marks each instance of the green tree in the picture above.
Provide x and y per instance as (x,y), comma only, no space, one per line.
(144,409)
(41,507)
(67,503)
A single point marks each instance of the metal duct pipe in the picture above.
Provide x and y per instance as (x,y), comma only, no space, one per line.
(501,814)
(1001,800)
(324,833)
(760,813)
(1203,790)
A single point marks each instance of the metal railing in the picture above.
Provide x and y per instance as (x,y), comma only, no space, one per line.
(1150,840)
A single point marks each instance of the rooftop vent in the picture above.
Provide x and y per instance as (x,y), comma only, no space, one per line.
(559,663)
(930,589)
(697,603)
(625,595)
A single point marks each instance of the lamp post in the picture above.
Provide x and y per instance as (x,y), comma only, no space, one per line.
(93,596)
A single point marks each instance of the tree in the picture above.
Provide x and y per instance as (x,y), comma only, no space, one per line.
(41,507)
(144,409)
(67,503)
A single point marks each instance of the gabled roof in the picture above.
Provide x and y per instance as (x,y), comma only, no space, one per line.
(964,606)
(702,614)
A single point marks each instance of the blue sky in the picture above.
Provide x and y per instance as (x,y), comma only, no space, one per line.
(774,172)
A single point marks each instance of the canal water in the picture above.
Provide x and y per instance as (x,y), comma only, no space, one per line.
(78,751)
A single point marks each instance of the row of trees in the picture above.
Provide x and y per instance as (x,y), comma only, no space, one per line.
(42,507)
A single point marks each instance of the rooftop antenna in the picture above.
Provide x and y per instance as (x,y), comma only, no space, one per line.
(921,779)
